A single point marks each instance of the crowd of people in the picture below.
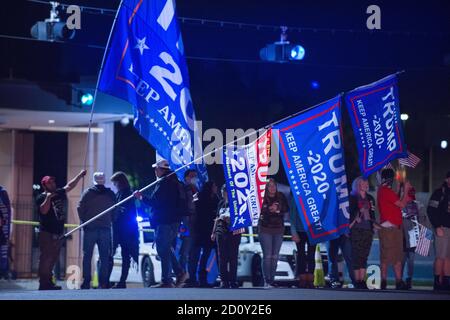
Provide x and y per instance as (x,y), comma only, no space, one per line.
(200,219)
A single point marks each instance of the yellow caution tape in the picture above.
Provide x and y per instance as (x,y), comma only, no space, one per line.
(70,225)
(36,223)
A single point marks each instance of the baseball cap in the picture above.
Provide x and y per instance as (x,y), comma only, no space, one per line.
(46,179)
(162,164)
(99,178)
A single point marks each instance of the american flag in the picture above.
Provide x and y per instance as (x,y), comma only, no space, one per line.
(424,241)
(411,161)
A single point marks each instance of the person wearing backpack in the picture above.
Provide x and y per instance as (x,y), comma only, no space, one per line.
(168,203)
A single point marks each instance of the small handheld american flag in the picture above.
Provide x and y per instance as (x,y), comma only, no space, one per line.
(411,161)
(424,241)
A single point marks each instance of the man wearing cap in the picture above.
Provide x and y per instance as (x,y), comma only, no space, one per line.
(391,233)
(51,204)
(168,204)
(439,213)
(95,200)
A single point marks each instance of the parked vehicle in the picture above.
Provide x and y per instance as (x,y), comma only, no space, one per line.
(148,269)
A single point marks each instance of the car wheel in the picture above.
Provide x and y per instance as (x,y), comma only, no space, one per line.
(257,275)
(148,275)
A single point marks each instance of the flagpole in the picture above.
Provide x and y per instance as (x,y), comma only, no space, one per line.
(188,164)
(88,138)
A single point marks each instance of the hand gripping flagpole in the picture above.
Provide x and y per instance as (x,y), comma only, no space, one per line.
(88,139)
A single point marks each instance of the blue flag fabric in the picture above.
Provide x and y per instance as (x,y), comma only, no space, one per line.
(237,180)
(313,157)
(375,115)
(146,66)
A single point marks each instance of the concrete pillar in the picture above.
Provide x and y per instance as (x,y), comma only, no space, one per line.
(16,165)
(6,161)
(100,158)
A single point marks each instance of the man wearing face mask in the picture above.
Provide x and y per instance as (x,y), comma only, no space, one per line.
(191,190)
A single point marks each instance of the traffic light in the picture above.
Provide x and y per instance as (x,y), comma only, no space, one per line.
(283,50)
(52,28)
(85,98)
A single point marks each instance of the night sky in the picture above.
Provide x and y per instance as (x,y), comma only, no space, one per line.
(248,93)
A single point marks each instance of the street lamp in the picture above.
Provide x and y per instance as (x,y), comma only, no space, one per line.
(404,116)
(444,144)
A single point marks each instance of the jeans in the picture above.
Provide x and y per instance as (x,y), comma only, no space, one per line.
(49,245)
(271,245)
(195,265)
(165,236)
(101,237)
(343,243)
(305,259)
(228,250)
(126,262)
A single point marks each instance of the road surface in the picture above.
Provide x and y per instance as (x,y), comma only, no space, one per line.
(220,294)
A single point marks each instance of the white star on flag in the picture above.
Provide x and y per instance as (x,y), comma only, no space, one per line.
(241,220)
(141,45)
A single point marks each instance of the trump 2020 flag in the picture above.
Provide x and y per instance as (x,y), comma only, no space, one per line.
(313,157)
(146,66)
(245,169)
(375,116)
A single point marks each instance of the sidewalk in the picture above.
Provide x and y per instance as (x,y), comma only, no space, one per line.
(33,284)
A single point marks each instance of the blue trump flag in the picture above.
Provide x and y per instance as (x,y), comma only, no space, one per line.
(146,66)
(375,116)
(313,157)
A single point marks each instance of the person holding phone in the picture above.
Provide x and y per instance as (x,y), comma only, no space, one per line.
(271,230)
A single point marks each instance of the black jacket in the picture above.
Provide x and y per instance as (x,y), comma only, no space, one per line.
(204,219)
(125,225)
(95,200)
(439,207)
(166,201)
